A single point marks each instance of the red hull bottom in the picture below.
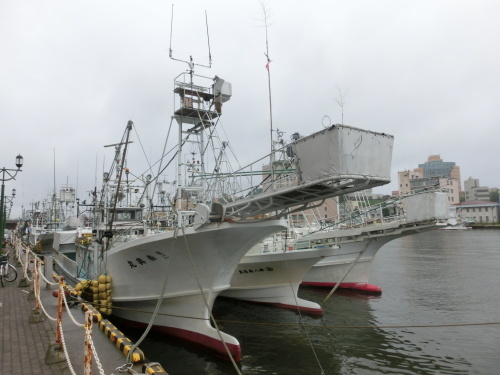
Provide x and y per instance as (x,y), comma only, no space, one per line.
(302,309)
(365,287)
(198,339)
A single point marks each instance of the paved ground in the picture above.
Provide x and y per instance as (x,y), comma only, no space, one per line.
(24,345)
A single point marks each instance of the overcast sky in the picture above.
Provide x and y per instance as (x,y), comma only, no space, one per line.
(72,73)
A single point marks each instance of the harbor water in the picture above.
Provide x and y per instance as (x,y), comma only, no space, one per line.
(438,288)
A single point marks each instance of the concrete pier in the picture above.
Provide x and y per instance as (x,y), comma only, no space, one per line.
(24,345)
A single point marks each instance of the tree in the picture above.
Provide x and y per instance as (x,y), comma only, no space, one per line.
(494,196)
(341,102)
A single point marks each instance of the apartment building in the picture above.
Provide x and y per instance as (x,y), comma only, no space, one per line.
(473,191)
(433,173)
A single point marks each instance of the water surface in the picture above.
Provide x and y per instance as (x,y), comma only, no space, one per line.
(439,279)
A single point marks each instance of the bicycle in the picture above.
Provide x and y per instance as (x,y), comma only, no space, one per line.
(7,271)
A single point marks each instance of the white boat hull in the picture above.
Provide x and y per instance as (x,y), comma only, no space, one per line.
(205,258)
(350,267)
(328,272)
(346,268)
(274,278)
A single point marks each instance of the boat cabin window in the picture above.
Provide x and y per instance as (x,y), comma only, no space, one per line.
(128,214)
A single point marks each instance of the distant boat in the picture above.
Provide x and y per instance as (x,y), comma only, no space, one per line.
(273,276)
(350,267)
(456,222)
(461,226)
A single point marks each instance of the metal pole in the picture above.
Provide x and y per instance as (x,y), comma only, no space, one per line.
(2,222)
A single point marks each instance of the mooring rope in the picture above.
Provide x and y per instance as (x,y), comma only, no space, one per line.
(208,307)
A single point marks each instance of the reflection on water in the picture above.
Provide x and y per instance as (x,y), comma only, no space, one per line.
(435,278)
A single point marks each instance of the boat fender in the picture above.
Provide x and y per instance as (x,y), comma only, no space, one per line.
(120,341)
(96,316)
(153,368)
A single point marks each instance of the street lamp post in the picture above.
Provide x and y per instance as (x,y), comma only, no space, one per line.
(11,175)
(8,202)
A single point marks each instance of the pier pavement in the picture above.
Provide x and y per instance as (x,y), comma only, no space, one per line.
(24,345)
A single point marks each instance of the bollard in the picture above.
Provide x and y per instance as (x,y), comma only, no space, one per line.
(17,259)
(55,351)
(87,364)
(24,282)
(36,315)
(31,294)
(48,269)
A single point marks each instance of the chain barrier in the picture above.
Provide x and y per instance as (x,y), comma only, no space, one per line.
(37,296)
(87,360)
(26,264)
(124,368)
(68,310)
(62,301)
(46,280)
(66,354)
(94,352)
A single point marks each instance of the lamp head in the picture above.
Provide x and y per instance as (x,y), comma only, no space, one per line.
(19,161)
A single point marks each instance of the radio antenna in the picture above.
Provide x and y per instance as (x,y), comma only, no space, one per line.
(208,40)
(190,63)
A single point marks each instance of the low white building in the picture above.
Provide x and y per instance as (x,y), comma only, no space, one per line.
(481,212)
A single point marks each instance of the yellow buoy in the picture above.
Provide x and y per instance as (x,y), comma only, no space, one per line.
(102,279)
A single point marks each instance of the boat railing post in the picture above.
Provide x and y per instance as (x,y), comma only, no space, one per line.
(55,351)
(59,309)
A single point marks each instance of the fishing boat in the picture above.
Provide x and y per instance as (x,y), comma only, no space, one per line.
(43,226)
(350,266)
(271,274)
(168,266)
(51,220)
(456,221)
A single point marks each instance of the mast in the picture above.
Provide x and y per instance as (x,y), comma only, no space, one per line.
(271,158)
(121,168)
(54,195)
(198,106)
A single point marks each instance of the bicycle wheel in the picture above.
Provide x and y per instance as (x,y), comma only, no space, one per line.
(11,274)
